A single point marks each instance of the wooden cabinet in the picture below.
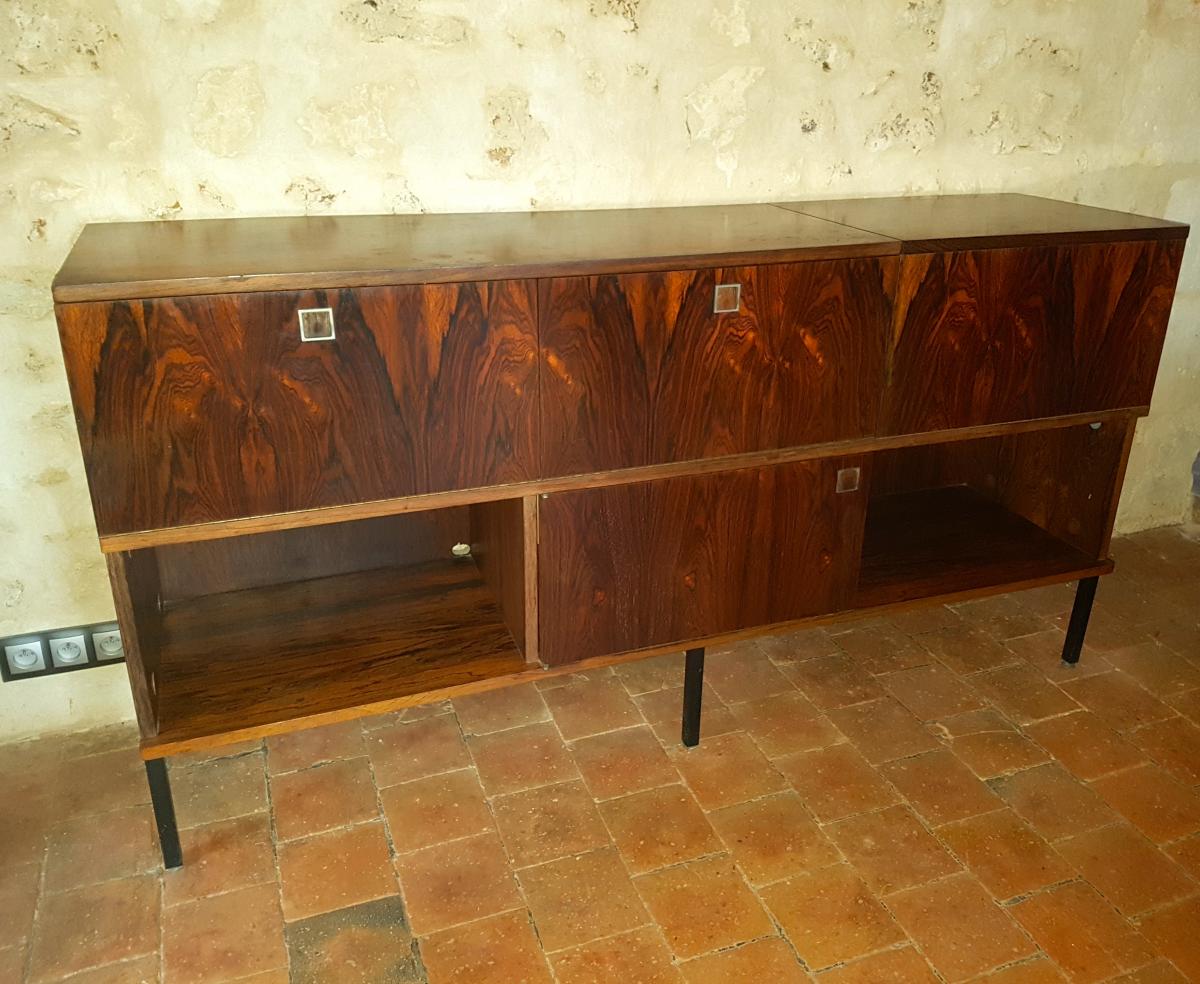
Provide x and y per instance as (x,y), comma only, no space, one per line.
(538,443)
(989,336)
(644,369)
(212,407)
(640,565)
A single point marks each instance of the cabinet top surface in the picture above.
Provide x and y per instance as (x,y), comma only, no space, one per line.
(158,259)
(152,259)
(934,222)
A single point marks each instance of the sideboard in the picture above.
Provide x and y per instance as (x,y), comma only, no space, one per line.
(342,465)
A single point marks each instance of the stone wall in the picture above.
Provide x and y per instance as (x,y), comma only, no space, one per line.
(118,109)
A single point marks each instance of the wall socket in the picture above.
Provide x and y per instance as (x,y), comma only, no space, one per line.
(60,651)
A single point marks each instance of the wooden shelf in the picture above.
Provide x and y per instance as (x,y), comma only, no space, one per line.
(266,660)
(950,540)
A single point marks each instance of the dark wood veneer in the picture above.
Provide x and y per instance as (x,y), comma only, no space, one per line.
(638,370)
(198,409)
(632,566)
(1013,334)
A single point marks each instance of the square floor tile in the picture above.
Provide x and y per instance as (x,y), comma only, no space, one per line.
(785,723)
(703,906)
(334,870)
(548,822)
(892,849)
(413,750)
(940,787)
(1126,868)
(932,691)
(958,927)
(312,746)
(902,966)
(830,916)
(94,925)
(657,827)
(1172,930)
(726,769)
(1005,853)
(363,944)
(621,762)
(222,856)
(500,949)
(1118,700)
(743,672)
(640,956)
(987,743)
(1053,801)
(336,794)
(436,809)
(1085,744)
(521,758)
(1158,805)
(1089,939)
(456,883)
(773,838)
(75,857)
(224,937)
(591,707)
(836,782)
(883,730)
(579,899)
(501,709)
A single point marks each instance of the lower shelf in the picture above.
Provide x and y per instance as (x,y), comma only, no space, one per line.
(949,540)
(285,654)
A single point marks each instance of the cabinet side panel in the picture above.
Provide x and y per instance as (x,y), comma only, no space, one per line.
(134,578)
(1066,481)
(633,566)
(498,546)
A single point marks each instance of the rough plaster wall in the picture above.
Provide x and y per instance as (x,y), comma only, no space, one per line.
(117,109)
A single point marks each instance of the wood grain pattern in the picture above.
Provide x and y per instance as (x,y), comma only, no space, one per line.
(262,658)
(640,565)
(123,260)
(136,593)
(192,570)
(998,335)
(498,545)
(638,370)
(929,543)
(201,532)
(937,223)
(211,408)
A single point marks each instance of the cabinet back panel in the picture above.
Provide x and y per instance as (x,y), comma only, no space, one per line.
(639,370)
(634,566)
(211,407)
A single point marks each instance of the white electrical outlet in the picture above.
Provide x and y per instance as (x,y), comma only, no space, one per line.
(68,649)
(107,641)
(25,656)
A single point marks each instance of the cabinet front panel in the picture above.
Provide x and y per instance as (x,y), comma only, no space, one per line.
(640,369)
(209,408)
(632,566)
(992,336)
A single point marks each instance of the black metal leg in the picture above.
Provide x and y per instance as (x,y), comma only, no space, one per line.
(164,813)
(1081,611)
(693,691)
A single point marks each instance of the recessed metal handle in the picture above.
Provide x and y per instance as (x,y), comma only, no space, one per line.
(727,298)
(848,479)
(316,325)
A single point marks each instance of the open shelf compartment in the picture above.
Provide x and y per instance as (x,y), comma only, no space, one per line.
(331,622)
(967,515)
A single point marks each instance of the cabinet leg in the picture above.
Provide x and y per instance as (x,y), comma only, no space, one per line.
(693,691)
(164,812)
(1081,611)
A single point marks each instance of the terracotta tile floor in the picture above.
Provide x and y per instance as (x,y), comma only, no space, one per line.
(930,797)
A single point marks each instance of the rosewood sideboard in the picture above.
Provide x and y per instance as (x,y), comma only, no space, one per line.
(342,465)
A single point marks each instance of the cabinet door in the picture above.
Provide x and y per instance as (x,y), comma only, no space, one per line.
(642,369)
(196,409)
(632,566)
(991,336)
